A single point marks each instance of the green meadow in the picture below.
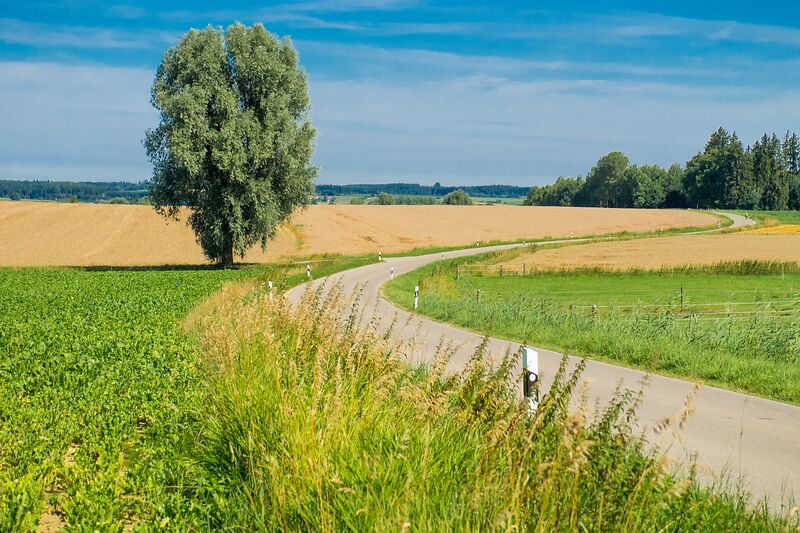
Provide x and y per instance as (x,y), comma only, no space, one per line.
(732,325)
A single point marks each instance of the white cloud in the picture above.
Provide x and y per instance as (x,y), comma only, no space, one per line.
(87,122)
(468,131)
(74,121)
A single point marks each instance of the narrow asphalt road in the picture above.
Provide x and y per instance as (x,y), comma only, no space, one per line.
(728,432)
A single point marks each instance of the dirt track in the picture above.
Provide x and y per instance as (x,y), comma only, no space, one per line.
(45,233)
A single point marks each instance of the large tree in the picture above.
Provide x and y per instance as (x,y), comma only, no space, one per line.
(234,142)
(706,172)
(606,183)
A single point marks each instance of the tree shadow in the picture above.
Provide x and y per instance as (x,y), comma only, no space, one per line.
(161,268)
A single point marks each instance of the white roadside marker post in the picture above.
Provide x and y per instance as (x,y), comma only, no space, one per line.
(308,270)
(530,375)
(379,256)
(416,297)
(269,284)
(391,273)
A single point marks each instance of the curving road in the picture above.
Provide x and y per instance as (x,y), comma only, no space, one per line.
(728,432)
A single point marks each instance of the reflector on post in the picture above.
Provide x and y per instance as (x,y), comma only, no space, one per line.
(530,375)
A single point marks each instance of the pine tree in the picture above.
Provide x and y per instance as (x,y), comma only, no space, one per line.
(741,190)
(791,157)
(791,153)
(770,173)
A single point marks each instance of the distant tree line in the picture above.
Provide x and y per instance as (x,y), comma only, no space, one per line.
(384,198)
(725,174)
(415,189)
(457,197)
(81,191)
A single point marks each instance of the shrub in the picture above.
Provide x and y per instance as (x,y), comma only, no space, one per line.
(457,197)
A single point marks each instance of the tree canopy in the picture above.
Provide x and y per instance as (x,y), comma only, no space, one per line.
(234,142)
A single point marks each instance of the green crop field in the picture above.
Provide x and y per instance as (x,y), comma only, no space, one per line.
(736,326)
(96,384)
(98,391)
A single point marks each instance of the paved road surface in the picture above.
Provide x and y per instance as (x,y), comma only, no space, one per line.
(741,434)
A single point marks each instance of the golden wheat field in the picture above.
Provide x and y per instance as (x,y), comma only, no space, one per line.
(45,233)
(781,229)
(663,252)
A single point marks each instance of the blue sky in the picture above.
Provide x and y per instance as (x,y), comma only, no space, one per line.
(461,93)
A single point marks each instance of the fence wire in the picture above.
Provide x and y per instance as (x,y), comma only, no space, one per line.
(687,310)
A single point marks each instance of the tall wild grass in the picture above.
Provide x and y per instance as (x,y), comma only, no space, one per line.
(314,424)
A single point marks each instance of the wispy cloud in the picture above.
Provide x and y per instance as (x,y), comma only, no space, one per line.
(582,27)
(654,25)
(126,11)
(348,6)
(48,35)
(300,12)
(633,27)
(375,61)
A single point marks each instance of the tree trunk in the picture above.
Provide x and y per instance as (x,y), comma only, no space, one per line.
(227,252)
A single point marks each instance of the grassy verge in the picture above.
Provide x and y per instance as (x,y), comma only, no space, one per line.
(98,384)
(737,328)
(770,218)
(312,425)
